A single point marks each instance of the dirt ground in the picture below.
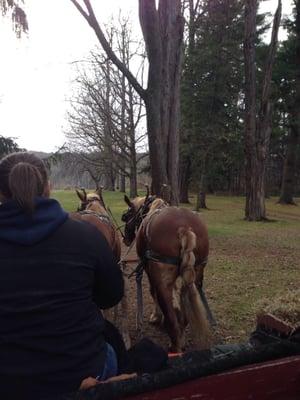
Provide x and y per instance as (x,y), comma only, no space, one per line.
(238,276)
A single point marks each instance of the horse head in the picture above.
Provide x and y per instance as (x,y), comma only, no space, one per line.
(130,218)
(138,208)
(91,201)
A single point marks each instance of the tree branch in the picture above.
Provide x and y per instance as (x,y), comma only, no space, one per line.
(80,9)
(92,20)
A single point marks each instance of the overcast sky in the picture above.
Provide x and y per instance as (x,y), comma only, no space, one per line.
(36,72)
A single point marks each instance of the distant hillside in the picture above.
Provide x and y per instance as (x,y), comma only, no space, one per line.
(66,171)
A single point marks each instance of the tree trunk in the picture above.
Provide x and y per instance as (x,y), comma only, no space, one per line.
(257,130)
(163,33)
(109,180)
(189,128)
(122,183)
(201,192)
(133,184)
(288,180)
(184,180)
(201,195)
(132,149)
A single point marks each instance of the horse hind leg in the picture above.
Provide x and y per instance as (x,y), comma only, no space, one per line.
(156,316)
(163,278)
(199,269)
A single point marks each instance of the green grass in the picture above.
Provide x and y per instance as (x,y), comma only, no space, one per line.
(248,260)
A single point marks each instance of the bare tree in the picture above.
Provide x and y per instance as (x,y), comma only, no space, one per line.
(17,13)
(162,29)
(257,122)
(106,114)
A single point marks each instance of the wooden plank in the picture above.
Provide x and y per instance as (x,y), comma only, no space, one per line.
(272,380)
(270,322)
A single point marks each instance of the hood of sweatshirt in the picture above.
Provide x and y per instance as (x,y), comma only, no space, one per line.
(17,226)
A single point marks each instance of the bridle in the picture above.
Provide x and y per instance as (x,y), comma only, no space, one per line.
(140,214)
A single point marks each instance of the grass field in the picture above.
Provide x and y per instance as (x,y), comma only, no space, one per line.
(248,261)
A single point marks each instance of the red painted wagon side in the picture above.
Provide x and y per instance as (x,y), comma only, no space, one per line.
(272,380)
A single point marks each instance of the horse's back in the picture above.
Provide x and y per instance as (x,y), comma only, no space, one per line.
(162,230)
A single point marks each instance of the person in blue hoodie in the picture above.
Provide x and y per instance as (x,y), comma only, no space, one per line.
(55,274)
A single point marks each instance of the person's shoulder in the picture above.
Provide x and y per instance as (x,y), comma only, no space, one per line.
(83,231)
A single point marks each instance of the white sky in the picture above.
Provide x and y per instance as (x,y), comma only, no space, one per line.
(36,71)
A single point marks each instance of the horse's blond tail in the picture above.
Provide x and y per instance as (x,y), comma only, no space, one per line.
(191,303)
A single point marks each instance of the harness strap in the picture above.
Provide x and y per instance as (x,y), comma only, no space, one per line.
(152,256)
(102,217)
(138,271)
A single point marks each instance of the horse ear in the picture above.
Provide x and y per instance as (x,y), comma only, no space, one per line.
(127,201)
(82,196)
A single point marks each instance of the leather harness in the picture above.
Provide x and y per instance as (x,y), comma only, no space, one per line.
(102,217)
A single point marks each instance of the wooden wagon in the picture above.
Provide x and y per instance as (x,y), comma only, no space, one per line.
(265,368)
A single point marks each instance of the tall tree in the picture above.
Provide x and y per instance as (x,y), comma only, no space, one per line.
(211,87)
(187,99)
(162,29)
(17,13)
(257,121)
(292,55)
(7,145)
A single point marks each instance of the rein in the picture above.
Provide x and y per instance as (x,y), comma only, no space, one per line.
(118,227)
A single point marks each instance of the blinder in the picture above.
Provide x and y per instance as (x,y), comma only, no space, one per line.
(133,219)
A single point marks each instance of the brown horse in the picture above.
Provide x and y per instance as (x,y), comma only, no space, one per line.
(173,245)
(92,209)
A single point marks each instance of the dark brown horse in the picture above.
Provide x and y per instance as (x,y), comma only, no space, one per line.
(92,209)
(173,245)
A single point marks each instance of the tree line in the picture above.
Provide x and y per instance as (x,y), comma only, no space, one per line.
(219,106)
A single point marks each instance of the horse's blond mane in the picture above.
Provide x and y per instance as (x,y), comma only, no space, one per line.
(138,202)
(157,203)
(95,205)
(91,196)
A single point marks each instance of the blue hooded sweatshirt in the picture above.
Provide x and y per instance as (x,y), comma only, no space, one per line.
(55,274)
(26,229)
